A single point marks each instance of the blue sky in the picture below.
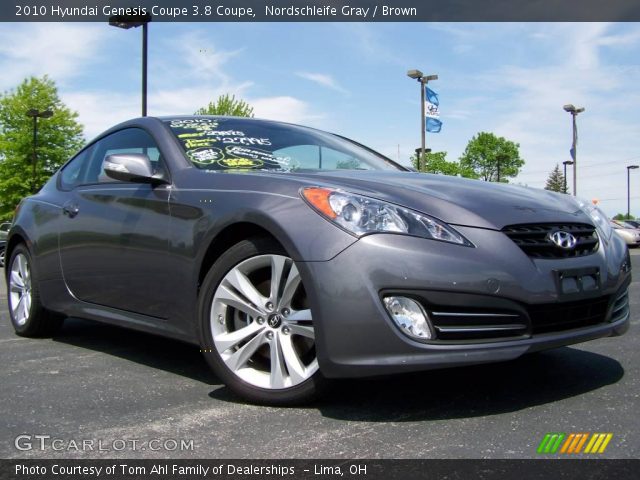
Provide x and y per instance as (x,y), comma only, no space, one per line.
(508,78)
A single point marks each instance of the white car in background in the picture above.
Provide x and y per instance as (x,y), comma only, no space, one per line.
(629,234)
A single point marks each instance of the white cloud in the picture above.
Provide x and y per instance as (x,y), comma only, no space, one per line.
(583,44)
(322,79)
(284,108)
(100,110)
(370,44)
(199,60)
(61,50)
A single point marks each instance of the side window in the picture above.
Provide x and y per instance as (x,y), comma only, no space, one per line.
(72,173)
(130,140)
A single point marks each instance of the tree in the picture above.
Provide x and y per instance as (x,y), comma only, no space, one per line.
(227,105)
(556,181)
(436,162)
(623,216)
(492,158)
(59,137)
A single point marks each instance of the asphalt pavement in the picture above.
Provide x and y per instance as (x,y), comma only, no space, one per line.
(93,389)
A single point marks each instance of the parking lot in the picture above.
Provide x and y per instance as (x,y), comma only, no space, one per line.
(102,383)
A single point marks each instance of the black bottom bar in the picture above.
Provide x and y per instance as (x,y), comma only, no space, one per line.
(552,469)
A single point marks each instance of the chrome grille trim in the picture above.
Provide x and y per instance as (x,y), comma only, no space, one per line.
(482,328)
(461,314)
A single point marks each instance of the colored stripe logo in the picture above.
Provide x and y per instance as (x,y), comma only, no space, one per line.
(573,443)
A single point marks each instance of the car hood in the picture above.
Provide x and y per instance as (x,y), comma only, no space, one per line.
(455,200)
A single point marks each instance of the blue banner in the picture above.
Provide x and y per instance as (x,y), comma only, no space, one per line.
(432,97)
(433,125)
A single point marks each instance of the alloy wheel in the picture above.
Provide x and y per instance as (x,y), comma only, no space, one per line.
(261,324)
(20,289)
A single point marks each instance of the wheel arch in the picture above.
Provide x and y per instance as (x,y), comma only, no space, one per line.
(13,241)
(229,236)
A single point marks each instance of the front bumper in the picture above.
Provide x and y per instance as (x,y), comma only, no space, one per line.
(356,337)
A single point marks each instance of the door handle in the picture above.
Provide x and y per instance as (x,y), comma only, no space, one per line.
(70,209)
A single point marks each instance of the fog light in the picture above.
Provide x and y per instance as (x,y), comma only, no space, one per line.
(409,316)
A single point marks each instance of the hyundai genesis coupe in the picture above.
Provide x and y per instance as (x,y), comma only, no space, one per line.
(290,256)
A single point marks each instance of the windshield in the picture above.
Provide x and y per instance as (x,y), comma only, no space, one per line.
(238,144)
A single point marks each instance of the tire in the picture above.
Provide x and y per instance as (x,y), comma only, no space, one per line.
(2,253)
(258,339)
(28,315)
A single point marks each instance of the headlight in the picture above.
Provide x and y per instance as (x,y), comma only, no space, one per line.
(362,215)
(600,220)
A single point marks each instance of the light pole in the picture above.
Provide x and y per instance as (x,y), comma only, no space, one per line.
(134,21)
(565,163)
(574,111)
(35,114)
(423,80)
(629,168)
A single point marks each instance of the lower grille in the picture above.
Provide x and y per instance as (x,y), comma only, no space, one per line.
(558,317)
(620,307)
(477,325)
(482,324)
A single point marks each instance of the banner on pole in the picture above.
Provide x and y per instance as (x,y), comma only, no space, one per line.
(432,111)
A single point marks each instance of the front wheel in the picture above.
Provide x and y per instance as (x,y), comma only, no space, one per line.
(28,315)
(258,333)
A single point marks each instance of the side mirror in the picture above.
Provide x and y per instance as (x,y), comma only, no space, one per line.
(130,167)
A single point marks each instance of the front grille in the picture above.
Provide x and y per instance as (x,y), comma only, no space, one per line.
(534,240)
(557,317)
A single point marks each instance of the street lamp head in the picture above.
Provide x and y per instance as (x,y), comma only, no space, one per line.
(568,162)
(32,112)
(428,78)
(572,109)
(632,167)
(415,74)
(129,21)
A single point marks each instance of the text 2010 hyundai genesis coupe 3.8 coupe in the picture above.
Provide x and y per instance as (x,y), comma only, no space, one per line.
(291,255)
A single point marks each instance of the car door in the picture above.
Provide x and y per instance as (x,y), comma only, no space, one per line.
(114,235)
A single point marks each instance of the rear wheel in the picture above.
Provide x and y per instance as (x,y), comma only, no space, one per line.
(28,315)
(257,327)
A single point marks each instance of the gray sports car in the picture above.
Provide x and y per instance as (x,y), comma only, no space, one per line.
(290,256)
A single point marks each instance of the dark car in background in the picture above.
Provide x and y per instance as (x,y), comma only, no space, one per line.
(290,256)
(4,231)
